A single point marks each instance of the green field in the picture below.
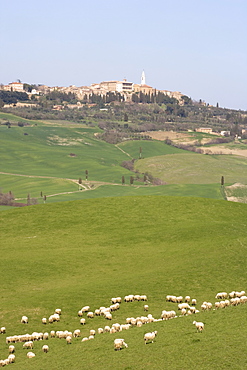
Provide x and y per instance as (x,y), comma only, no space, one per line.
(67,255)
(195,168)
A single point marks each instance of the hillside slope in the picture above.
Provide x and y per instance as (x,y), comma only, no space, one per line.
(80,253)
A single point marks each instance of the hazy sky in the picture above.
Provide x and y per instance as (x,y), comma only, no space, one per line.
(198,47)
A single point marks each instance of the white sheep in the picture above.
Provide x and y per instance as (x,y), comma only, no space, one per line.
(58,311)
(24,320)
(90,315)
(44,320)
(100,330)
(85,309)
(145,307)
(92,332)
(45,348)
(45,336)
(11,349)
(82,321)
(150,336)
(30,354)
(2,330)
(84,339)
(193,301)
(77,333)
(52,334)
(11,358)
(199,325)
(28,344)
(187,298)
(221,295)
(91,337)
(68,339)
(119,343)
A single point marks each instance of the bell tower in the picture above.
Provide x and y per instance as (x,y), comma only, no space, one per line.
(143,78)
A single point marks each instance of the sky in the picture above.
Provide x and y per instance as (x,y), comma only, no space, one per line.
(197,47)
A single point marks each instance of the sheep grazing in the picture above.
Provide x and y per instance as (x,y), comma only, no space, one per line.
(28,345)
(199,326)
(84,339)
(145,307)
(45,336)
(44,320)
(11,358)
(52,334)
(82,321)
(116,300)
(45,348)
(119,344)
(58,311)
(24,320)
(92,332)
(85,309)
(30,354)
(150,336)
(2,330)
(68,339)
(193,302)
(77,333)
(187,299)
(11,349)
(90,315)
(222,295)
(100,330)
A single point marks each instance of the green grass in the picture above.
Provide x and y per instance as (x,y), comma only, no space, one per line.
(195,168)
(72,254)
(12,118)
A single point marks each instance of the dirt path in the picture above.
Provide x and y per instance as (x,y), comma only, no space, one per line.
(123,151)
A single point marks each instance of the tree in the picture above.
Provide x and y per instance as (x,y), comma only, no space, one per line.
(140,152)
(131,180)
(41,194)
(44,198)
(222,180)
(86,173)
(28,199)
(123,180)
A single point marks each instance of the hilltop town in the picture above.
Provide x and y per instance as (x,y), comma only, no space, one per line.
(126,88)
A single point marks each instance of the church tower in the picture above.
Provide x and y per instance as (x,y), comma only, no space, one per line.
(143,78)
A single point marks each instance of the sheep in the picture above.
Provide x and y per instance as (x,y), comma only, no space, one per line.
(150,336)
(199,325)
(58,311)
(77,333)
(30,354)
(125,326)
(80,313)
(97,312)
(116,300)
(183,305)
(91,337)
(52,334)
(45,348)
(92,332)
(82,321)
(119,343)
(222,295)
(90,315)
(107,329)
(45,336)
(108,316)
(44,320)
(100,330)
(28,344)
(193,302)
(2,330)
(24,320)
(11,349)
(145,307)
(11,358)
(187,299)
(6,362)
(68,339)
(84,339)
(85,309)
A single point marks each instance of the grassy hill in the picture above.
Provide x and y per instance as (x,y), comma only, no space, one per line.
(72,254)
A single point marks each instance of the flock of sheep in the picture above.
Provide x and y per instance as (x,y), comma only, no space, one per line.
(186,306)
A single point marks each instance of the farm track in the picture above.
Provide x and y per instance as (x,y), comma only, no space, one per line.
(86,187)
